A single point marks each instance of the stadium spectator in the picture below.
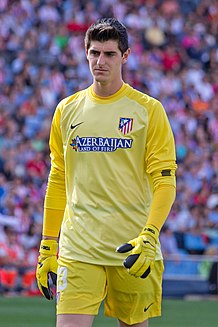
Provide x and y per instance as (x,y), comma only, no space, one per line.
(11,260)
(169,245)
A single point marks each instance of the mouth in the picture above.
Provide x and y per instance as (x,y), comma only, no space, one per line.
(100,70)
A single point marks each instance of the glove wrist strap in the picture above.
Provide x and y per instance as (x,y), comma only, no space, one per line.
(48,247)
(150,231)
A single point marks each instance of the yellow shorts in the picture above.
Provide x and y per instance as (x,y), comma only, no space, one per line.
(82,287)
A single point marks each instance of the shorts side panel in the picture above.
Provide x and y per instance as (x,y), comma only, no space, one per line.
(81,287)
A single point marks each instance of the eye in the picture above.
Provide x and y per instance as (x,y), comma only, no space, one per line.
(94,53)
(111,54)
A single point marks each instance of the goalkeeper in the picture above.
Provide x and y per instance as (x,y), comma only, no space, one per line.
(110,189)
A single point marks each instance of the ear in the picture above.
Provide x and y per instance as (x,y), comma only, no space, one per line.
(86,54)
(126,55)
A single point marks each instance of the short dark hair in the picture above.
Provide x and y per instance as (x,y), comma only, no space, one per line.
(105,29)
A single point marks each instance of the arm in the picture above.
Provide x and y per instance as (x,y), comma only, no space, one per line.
(55,198)
(161,165)
(54,205)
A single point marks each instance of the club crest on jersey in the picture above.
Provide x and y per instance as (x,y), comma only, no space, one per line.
(125,125)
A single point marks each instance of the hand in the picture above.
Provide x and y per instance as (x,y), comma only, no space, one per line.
(47,265)
(143,250)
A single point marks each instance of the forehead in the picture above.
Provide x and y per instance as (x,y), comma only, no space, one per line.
(110,45)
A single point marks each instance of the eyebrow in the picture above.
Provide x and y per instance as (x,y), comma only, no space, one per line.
(106,52)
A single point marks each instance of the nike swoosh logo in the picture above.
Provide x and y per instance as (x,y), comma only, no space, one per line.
(145,309)
(74,126)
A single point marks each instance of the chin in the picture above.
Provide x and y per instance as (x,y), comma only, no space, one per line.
(100,80)
(101,77)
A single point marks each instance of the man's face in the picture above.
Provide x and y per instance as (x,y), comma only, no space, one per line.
(105,61)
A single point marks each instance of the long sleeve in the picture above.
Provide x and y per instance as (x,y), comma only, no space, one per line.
(55,198)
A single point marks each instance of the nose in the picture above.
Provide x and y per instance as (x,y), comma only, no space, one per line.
(101,60)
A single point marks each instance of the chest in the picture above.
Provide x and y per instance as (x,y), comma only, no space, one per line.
(96,122)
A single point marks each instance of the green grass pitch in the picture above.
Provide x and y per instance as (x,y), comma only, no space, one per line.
(38,312)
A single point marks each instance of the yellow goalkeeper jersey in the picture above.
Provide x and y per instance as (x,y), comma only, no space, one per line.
(104,152)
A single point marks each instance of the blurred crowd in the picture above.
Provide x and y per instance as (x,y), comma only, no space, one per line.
(174,58)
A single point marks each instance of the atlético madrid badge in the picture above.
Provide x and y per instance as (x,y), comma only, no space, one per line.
(125,125)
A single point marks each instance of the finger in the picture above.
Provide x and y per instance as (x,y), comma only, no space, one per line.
(130,260)
(144,270)
(146,273)
(124,248)
(139,267)
(47,292)
(53,277)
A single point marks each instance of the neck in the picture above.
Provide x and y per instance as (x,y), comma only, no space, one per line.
(106,90)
